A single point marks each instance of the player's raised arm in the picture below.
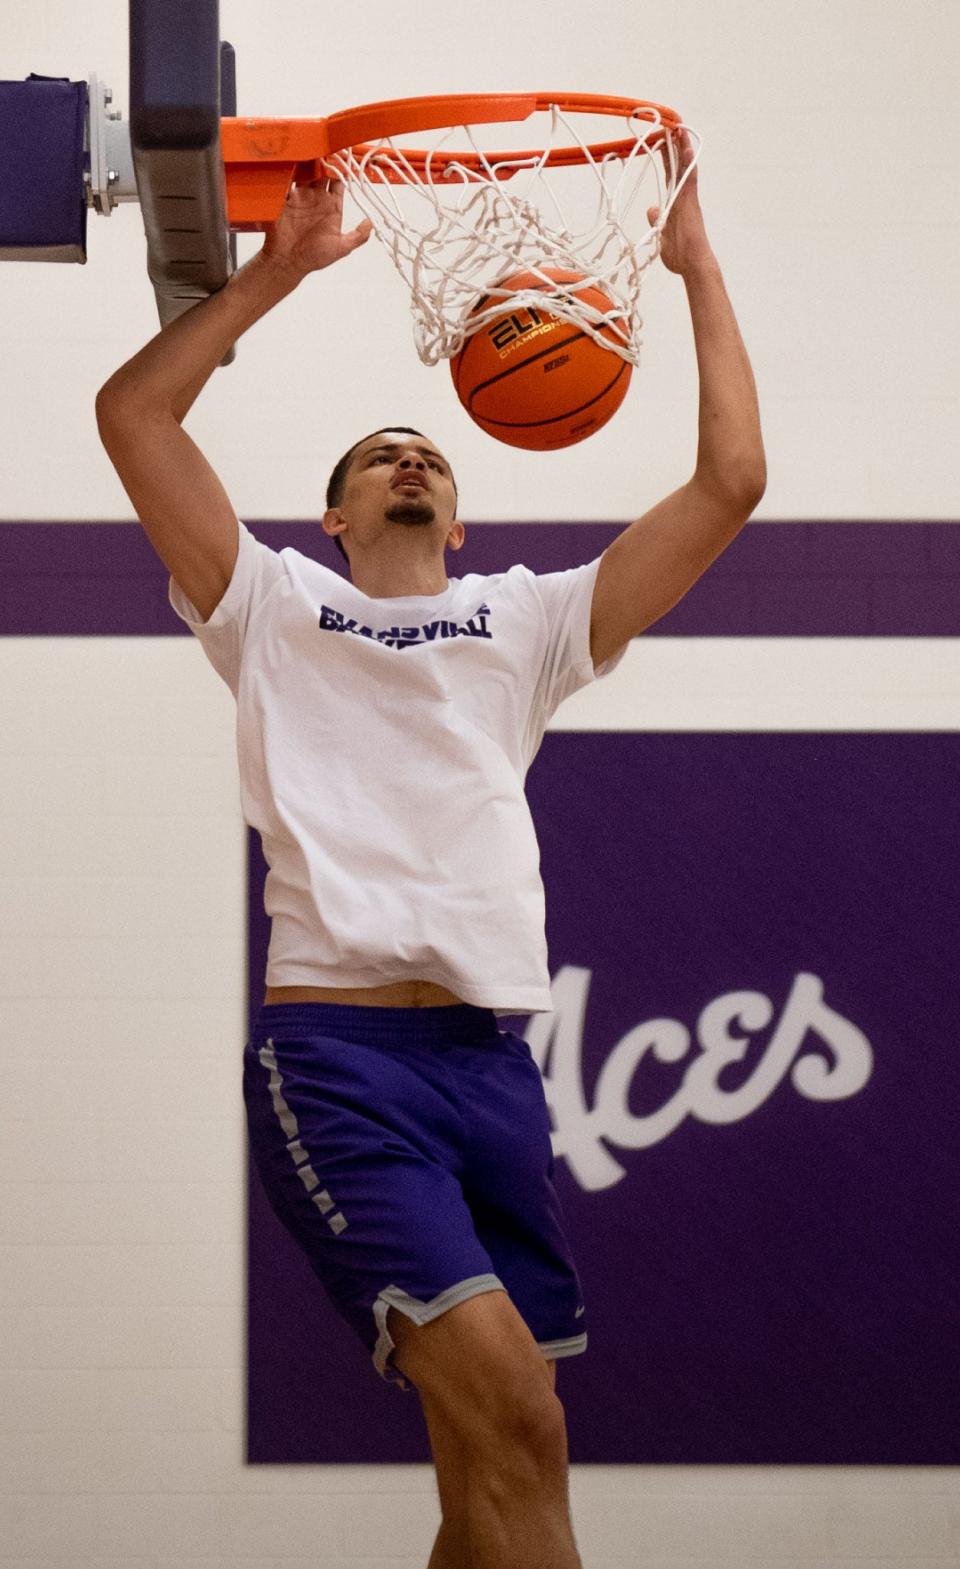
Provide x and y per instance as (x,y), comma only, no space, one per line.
(175,493)
(652,564)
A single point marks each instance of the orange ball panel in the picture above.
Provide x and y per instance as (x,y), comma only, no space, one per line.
(532,380)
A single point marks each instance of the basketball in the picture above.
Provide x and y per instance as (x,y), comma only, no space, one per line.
(536,381)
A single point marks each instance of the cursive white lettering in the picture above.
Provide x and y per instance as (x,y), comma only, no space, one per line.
(724,1030)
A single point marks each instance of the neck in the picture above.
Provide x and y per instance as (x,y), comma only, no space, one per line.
(398,579)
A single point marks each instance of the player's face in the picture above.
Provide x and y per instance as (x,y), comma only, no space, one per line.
(401,480)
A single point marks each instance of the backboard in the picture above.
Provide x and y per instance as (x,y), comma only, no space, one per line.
(182,79)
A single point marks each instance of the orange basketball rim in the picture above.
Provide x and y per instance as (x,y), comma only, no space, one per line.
(263,158)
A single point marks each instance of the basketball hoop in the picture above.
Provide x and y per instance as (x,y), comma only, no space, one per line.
(456,221)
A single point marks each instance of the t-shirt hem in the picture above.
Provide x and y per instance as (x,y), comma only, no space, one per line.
(518,1002)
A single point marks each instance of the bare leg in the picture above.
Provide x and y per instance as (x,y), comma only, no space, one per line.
(450,1550)
(518,1513)
(498,1437)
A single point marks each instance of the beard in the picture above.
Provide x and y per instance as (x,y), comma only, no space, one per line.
(412,512)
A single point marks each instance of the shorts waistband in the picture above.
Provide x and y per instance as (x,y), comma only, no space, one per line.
(460,1021)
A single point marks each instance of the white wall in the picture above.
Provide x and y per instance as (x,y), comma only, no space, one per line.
(831,145)
(121,850)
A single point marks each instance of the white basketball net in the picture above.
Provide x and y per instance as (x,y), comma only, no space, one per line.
(454,235)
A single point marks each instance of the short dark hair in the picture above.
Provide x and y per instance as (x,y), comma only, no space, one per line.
(338,477)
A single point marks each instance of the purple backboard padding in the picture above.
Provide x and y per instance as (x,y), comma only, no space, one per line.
(43,207)
(789,579)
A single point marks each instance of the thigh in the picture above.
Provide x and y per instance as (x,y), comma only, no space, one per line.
(478,1370)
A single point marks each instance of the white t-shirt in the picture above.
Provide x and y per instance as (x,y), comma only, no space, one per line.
(383,745)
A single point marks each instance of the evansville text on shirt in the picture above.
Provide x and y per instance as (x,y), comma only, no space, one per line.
(405,637)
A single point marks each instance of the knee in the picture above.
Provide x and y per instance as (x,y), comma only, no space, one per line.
(525,1426)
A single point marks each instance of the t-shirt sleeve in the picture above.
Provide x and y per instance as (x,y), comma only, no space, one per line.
(256,571)
(567,598)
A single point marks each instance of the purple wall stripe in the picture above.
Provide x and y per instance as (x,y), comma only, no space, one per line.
(847,579)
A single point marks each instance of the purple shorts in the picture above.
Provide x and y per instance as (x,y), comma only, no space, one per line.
(408,1152)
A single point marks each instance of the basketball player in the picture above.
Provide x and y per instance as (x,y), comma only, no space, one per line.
(385,727)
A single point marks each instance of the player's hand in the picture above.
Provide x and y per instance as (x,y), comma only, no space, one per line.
(684,243)
(309,234)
